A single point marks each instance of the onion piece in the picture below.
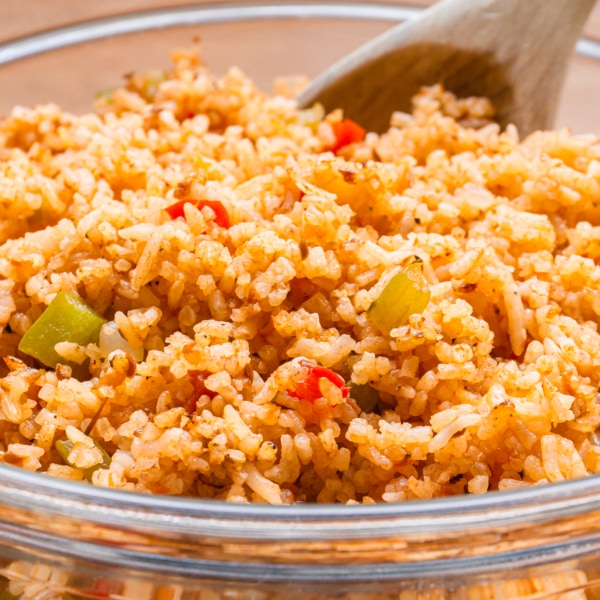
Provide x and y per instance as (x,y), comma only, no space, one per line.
(111,340)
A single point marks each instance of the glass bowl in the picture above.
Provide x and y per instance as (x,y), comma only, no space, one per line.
(60,539)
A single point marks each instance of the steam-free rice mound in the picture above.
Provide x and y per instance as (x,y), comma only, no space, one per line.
(220,253)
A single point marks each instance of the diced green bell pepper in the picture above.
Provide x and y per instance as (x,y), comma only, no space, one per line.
(365,396)
(66,319)
(405,294)
(64,447)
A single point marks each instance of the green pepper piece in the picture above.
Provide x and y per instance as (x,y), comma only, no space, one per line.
(66,319)
(405,294)
(365,396)
(64,447)
(107,96)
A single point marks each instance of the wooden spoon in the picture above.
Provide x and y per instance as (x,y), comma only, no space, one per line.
(515,52)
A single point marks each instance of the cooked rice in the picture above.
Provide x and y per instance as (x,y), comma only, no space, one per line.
(492,387)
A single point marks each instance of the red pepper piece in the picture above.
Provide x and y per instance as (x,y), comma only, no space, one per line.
(101,588)
(308,388)
(104,588)
(347,132)
(197,379)
(221,216)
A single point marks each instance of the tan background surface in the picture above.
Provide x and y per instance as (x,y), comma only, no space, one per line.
(19,17)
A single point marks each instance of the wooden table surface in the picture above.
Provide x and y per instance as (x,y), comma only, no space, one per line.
(20,17)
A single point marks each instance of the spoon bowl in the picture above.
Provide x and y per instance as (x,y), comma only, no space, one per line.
(513,52)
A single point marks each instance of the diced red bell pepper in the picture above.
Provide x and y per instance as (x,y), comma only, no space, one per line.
(101,588)
(308,387)
(104,588)
(197,379)
(347,132)
(221,216)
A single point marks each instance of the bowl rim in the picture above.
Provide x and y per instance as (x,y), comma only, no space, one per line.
(46,40)
(538,503)
(144,20)
(98,518)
